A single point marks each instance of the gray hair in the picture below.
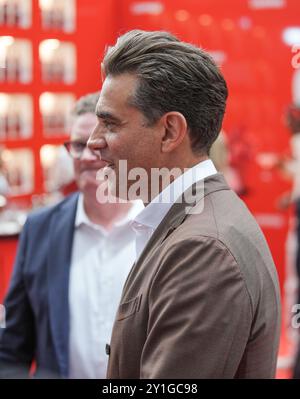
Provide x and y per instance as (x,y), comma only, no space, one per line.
(172,76)
(86,104)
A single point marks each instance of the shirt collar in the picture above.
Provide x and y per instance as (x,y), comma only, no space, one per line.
(82,218)
(153,214)
(136,208)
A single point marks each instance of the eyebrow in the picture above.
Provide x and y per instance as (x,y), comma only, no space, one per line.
(107,116)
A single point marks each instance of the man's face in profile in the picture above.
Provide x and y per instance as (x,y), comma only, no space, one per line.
(123,131)
(88,164)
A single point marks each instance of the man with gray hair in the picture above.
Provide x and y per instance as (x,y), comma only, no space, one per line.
(202,300)
(72,261)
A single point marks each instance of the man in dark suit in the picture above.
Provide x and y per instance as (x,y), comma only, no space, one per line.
(71,264)
(202,300)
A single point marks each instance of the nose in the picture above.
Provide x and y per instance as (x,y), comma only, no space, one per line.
(96,146)
(89,155)
(96,143)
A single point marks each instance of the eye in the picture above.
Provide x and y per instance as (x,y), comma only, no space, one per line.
(108,124)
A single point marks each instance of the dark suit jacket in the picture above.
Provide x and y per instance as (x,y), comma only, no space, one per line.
(202,300)
(37,309)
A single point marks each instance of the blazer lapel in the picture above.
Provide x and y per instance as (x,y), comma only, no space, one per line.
(61,232)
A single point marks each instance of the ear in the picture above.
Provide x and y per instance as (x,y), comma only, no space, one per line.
(175,130)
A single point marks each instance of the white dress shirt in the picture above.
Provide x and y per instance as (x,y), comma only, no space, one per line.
(150,217)
(100,263)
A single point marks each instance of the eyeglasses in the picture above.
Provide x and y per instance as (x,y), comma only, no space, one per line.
(76,148)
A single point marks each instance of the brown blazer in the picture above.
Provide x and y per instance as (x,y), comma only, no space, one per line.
(202,300)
